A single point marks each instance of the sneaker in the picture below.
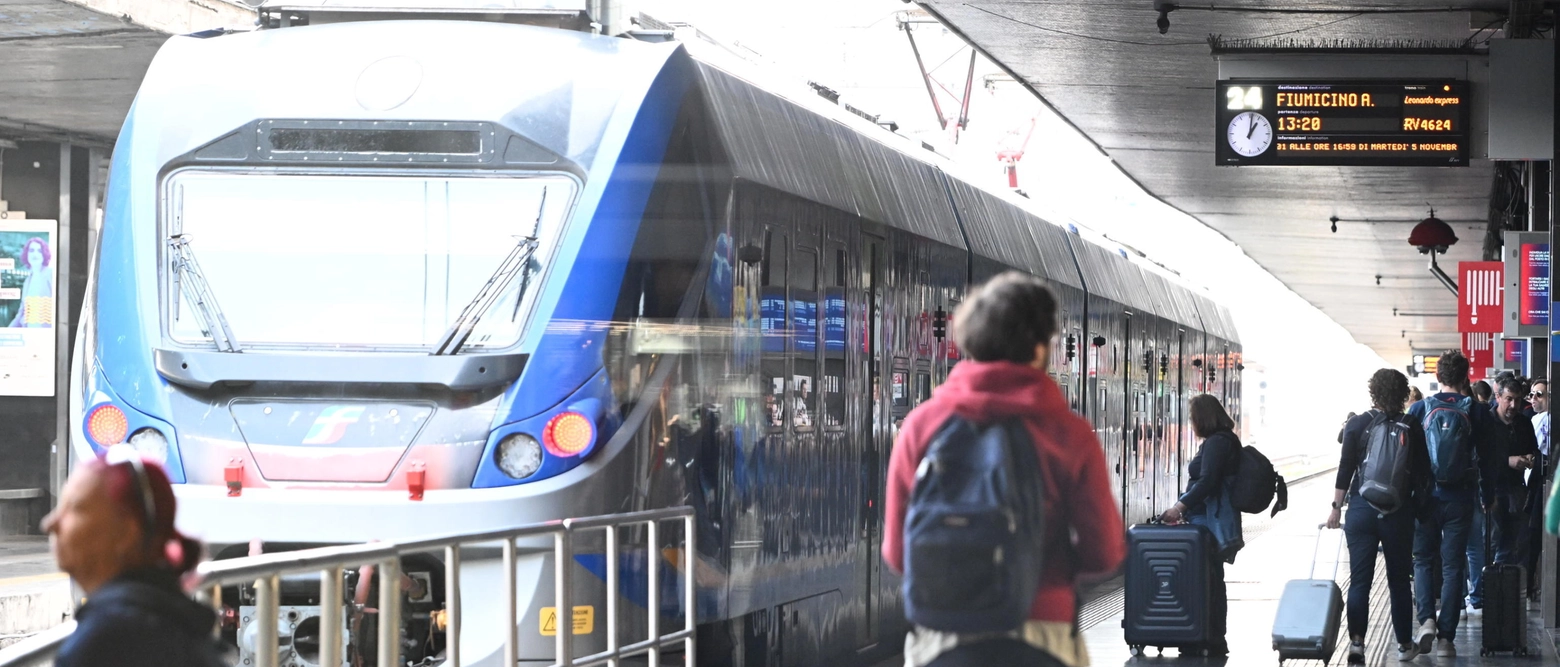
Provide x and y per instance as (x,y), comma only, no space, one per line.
(1407,652)
(1444,648)
(1475,611)
(1426,636)
(1356,653)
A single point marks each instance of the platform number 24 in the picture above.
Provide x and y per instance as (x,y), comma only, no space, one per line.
(1243,98)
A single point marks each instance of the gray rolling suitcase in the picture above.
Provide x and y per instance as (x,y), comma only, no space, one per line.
(1310,612)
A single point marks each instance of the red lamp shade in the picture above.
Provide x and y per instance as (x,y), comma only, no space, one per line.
(1432,233)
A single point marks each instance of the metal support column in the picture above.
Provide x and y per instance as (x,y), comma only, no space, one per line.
(1550,565)
(64,319)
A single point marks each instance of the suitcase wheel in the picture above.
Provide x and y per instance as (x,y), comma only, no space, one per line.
(1484,652)
(1137,650)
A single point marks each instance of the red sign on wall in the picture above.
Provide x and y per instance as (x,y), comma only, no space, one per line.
(1479,348)
(1480,305)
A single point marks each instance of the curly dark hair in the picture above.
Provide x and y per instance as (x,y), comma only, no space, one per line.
(1388,390)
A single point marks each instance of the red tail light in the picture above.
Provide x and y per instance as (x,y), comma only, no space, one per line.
(568,434)
(107,425)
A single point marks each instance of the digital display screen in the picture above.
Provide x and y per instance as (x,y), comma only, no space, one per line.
(1534,282)
(805,325)
(771,310)
(1341,123)
(834,320)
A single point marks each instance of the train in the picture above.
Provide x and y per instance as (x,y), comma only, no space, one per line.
(373,280)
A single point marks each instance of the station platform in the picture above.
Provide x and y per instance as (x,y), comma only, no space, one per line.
(34,594)
(1277,550)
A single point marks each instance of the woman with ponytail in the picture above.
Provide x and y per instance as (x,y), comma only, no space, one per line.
(113,534)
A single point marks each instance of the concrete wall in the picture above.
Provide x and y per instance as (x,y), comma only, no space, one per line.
(30,182)
(177,17)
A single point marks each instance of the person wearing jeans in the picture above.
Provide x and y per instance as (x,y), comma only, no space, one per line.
(1446,516)
(1476,562)
(1367,528)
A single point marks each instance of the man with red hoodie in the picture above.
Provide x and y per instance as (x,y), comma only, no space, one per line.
(1004,330)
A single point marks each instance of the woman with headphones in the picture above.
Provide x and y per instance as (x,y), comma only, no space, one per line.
(113,534)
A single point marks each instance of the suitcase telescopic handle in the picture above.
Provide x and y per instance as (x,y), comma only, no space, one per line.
(1316,552)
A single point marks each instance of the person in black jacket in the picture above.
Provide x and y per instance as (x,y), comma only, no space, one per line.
(1216,459)
(113,534)
(1368,528)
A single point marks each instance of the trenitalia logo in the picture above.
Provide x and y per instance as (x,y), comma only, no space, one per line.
(331,425)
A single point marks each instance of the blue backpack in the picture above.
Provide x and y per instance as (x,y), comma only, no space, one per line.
(975,529)
(1449,437)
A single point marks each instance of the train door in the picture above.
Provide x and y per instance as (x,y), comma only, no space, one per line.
(866,327)
(1178,414)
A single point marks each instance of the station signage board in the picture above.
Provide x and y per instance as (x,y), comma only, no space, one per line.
(1349,122)
(1480,297)
(1526,256)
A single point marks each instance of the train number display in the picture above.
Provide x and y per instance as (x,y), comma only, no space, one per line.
(1342,123)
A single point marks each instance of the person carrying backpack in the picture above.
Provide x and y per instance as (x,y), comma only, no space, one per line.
(1383,474)
(1000,394)
(1454,425)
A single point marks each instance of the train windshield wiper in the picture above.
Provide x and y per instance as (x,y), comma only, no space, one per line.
(187,275)
(519,258)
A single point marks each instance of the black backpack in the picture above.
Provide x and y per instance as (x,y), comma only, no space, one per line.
(1256,482)
(975,529)
(1384,474)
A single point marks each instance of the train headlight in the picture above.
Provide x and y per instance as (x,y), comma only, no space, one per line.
(568,434)
(519,455)
(107,426)
(151,444)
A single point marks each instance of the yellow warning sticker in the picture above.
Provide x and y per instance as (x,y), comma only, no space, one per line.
(584,620)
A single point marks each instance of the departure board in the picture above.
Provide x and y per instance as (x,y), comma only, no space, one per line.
(1342,123)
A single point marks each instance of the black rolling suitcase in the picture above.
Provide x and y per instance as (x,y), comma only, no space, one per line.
(1168,585)
(1505,606)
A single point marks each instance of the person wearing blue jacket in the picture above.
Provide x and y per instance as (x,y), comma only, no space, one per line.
(113,534)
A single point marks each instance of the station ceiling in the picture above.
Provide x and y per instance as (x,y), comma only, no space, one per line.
(1147,100)
(67,71)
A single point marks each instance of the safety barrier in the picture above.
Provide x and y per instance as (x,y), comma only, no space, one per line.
(265,573)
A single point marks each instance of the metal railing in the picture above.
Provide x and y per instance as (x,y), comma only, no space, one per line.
(265,572)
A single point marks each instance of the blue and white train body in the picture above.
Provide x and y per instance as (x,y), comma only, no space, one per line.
(532,274)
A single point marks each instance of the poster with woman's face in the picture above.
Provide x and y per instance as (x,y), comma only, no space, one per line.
(27,307)
(26,276)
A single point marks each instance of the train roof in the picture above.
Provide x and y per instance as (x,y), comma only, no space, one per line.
(776,138)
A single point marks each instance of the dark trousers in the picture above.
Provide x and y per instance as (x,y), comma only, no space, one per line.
(1365,529)
(1442,530)
(1218,606)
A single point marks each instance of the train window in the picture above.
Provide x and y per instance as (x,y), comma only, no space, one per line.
(834,328)
(923,387)
(804,334)
(901,389)
(775,326)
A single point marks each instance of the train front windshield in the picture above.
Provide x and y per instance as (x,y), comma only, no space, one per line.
(370,262)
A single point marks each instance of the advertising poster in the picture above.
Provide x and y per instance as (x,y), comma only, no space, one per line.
(27,298)
(1534,282)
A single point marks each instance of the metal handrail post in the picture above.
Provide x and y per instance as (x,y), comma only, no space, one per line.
(267,615)
(330,617)
(563,554)
(612,595)
(452,605)
(390,612)
(690,587)
(511,620)
(653,572)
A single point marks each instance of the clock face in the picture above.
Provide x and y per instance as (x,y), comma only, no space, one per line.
(1250,134)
